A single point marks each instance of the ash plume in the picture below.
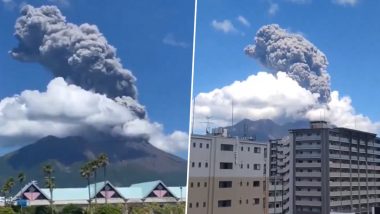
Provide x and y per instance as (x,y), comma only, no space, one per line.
(281,50)
(79,54)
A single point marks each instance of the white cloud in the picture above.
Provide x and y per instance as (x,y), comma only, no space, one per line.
(346,2)
(243,21)
(67,110)
(9,4)
(300,1)
(169,39)
(226,26)
(273,9)
(276,97)
(62,3)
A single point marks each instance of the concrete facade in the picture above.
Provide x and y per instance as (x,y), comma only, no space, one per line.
(226,175)
(324,169)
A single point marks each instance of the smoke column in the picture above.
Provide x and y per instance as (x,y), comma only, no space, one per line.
(280,50)
(79,54)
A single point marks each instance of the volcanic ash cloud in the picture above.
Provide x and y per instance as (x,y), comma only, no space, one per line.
(91,94)
(79,54)
(280,50)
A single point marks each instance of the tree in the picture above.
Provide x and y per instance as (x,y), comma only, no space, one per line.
(86,172)
(6,210)
(7,188)
(72,209)
(94,165)
(108,209)
(21,178)
(49,182)
(103,162)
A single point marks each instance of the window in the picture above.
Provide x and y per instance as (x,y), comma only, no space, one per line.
(256,166)
(247,165)
(249,149)
(197,204)
(241,148)
(192,164)
(257,150)
(225,184)
(190,205)
(200,145)
(204,204)
(199,165)
(207,146)
(199,184)
(224,203)
(206,165)
(191,184)
(225,165)
(205,185)
(256,183)
(194,145)
(226,147)
(257,201)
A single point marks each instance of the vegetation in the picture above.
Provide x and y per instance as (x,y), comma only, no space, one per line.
(49,182)
(6,210)
(21,178)
(108,209)
(7,188)
(72,209)
(159,209)
(103,162)
(85,172)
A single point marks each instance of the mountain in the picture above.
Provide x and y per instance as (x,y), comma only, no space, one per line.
(263,130)
(130,161)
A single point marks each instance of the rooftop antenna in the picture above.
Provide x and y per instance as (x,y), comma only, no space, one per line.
(208,122)
(232,113)
(192,119)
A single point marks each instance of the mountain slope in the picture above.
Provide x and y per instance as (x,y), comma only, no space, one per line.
(263,130)
(130,161)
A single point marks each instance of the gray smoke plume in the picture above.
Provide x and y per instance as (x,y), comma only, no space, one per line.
(79,54)
(280,50)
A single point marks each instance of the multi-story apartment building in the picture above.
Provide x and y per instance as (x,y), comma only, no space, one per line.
(226,175)
(324,169)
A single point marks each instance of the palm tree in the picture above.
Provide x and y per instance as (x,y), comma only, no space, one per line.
(21,178)
(103,162)
(49,182)
(7,188)
(94,165)
(86,172)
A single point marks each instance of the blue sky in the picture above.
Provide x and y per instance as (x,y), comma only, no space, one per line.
(138,30)
(153,39)
(347,31)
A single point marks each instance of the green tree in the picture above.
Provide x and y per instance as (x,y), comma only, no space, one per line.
(108,209)
(94,166)
(7,188)
(6,210)
(72,209)
(103,162)
(49,182)
(42,210)
(21,178)
(86,172)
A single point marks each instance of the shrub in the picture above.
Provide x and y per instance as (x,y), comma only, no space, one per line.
(6,210)
(42,210)
(108,209)
(72,209)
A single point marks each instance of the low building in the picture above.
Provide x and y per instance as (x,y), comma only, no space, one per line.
(103,192)
(226,175)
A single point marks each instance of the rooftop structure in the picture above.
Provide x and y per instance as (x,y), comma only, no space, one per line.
(154,191)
